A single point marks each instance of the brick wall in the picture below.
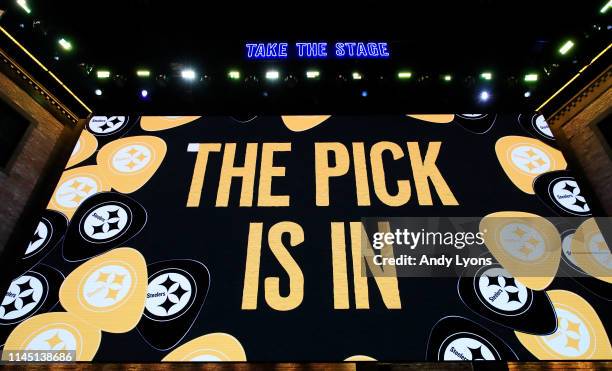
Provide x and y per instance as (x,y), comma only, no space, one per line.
(584,141)
(20,178)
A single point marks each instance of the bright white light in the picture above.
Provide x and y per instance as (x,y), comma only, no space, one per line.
(188,74)
(24,5)
(356,76)
(65,44)
(566,47)
(531,77)
(98,92)
(404,75)
(144,93)
(272,75)
(486,75)
(234,75)
(606,7)
(484,95)
(527,94)
(103,74)
(312,74)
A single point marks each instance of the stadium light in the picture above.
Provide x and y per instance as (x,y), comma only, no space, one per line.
(103,74)
(356,76)
(65,44)
(484,96)
(486,75)
(404,75)
(447,77)
(272,75)
(24,5)
(143,73)
(605,8)
(188,74)
(312,74)
(234,75)
(144,93)
(98,92)
(566,47)
(531,77)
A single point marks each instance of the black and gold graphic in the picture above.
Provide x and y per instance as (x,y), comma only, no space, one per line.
(494,294)
(108,128)
(579,335)
(456,338)
(108,291)
(104,221)
(56,331)
(536,126)
(49,231)
(35,291)
(175,295)
(560,191)
(240,238)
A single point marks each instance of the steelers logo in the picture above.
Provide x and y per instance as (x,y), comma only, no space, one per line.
(170,293)
(106,125)
(56,331)
(580,333)
(41,237)
(572,338)
(108,291)
(600,252)
(53,339)
(523,159)
(25,295)
(465,346)
(530,159)
(566,194)
(132,158)
(501,293)
(522,241)
(107,286)
(73,191)
(541,126)
(105,222)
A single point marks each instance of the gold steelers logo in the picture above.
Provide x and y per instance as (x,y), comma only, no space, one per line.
(590,251)
(580,333)
(524,158)
(128,163)
(437,119)
(156,123)
(132,158)
(526,245)
(215,347)
(303,123)
(75,186)
(84,147)
(56,331)
(108,291)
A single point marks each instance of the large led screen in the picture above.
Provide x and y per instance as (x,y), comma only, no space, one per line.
(189,238)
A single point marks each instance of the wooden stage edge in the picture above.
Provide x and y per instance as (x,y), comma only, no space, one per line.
(366,366)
